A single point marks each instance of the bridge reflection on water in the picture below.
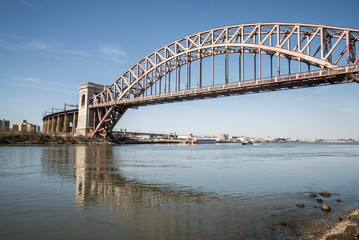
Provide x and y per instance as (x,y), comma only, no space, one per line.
(106,181)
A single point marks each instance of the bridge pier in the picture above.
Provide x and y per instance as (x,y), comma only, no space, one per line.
(85,122)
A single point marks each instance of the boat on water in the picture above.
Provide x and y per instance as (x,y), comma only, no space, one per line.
(199,140)
(249,142)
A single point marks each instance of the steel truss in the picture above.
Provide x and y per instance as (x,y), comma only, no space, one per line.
(321,46)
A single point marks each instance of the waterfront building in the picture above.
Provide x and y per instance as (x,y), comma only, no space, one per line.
(4,125)
(25,127)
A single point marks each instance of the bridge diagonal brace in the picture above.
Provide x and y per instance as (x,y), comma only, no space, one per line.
(108,121)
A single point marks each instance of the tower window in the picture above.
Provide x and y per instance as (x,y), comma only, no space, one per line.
(83,100)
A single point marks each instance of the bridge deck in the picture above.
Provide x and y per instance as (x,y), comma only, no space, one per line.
(284,82)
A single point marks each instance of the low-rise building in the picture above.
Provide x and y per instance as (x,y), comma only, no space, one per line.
(25,127)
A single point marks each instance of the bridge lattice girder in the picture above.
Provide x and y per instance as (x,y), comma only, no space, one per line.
(316,45)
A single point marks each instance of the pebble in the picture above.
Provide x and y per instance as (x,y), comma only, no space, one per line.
(325,194)
(339,200)
(319,200)
(300,205)
(325,207)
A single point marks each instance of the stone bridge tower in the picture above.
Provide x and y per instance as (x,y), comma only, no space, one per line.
(86,116)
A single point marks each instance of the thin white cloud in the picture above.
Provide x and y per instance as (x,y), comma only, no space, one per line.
(42,47)
(38,45)
(106,51)
(30,79)
(46,88)
(37,82)
(27,4)
(111,52)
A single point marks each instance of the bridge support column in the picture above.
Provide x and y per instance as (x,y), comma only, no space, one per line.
(66,124)
(44,124)
(58,125)
(53,125)
(48,126)
(74,123)
(85,116)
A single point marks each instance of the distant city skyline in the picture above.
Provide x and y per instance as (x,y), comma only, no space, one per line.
(48,48)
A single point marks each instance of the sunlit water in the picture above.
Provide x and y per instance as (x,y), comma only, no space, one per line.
(226,191)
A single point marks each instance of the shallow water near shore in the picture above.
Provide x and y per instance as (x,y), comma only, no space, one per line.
(224,191)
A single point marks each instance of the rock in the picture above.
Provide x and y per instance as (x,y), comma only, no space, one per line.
(325,194)
(319,200)
(325,207)
(351,231)
(300,205)
(338,200)
(354,218)
(313,195)
(335,237)
(283,224)
(340,219)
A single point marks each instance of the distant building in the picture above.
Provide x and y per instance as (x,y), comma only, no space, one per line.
(184,136)
(222,137)
(15,128)
(25,127)
(4,125)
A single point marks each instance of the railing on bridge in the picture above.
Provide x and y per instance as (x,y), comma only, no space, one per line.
(313,78)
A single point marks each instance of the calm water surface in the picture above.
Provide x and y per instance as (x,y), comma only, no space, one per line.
(226,191)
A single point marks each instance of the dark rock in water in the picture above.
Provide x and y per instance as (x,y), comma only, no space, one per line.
(338,200)
(313,195)
(315,206)
(283,224)
(351,231)
(325,194)
(300,205)
(319,200)
(340,219)
(325,207)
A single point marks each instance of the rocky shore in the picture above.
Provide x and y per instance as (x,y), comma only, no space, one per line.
(347,227)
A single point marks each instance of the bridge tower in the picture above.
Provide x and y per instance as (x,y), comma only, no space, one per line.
(85,122)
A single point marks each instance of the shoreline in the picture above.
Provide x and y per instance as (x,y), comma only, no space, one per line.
(346,228)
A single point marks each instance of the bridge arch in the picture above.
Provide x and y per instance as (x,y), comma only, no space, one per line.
(324,47)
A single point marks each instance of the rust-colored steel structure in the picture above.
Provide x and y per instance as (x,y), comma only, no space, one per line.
(64,122)
(231,60)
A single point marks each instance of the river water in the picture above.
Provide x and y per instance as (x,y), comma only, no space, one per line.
(224,191)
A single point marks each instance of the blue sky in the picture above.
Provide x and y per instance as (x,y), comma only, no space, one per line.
(48,48)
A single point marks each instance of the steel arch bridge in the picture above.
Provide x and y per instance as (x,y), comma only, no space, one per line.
(264,56)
